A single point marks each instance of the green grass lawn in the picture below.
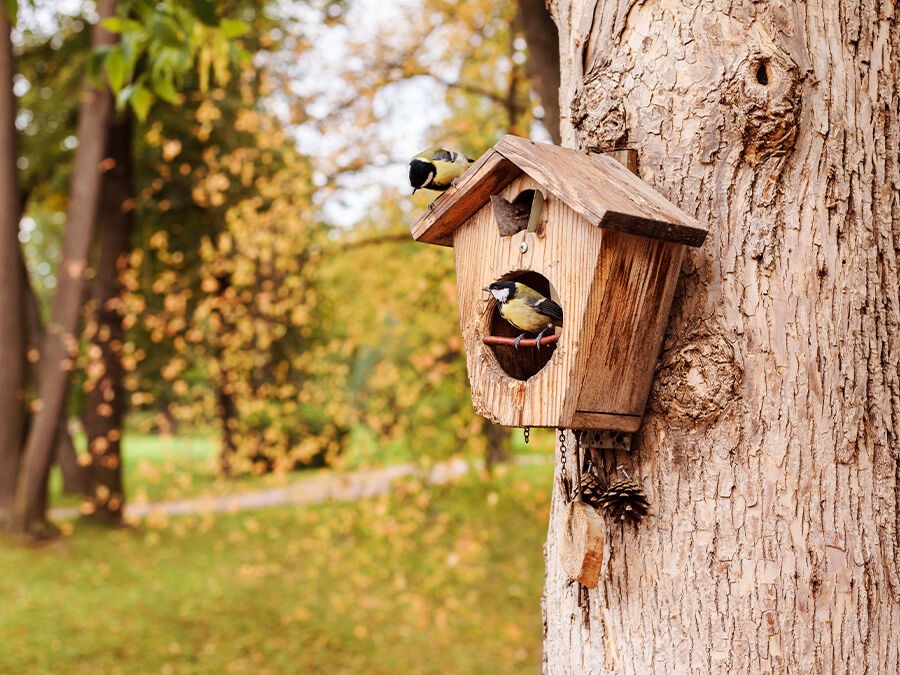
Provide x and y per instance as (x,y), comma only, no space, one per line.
(424,580)
(159,468)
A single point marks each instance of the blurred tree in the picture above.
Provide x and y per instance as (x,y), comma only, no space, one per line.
(60,341)
(12,347)
(543,59)
(104,405)
(203,40)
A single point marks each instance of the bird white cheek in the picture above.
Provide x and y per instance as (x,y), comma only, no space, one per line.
(501,294)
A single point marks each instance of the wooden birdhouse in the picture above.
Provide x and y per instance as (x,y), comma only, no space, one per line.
(587,233)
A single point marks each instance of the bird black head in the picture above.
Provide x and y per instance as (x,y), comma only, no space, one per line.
(421,173)
(502,290)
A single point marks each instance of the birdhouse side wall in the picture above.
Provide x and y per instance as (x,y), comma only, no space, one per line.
(636,279)
(565,251)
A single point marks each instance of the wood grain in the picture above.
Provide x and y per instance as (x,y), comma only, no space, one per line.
(581,543)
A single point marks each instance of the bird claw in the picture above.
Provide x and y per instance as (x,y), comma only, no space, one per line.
(537,340)
(518,340)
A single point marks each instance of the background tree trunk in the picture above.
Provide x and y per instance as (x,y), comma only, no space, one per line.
(73,474)
(61,338)
(543,60)
(12,347)
(770,447)
(105,400)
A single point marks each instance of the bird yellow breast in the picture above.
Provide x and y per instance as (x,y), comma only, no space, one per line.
(524,317)
(448,171)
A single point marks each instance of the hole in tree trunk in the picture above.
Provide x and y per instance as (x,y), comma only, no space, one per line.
(762,75)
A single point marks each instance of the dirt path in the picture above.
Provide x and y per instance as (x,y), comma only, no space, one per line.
(321,487)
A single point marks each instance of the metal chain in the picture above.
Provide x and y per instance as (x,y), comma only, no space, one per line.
(563,477)
(527,433)
(562,449)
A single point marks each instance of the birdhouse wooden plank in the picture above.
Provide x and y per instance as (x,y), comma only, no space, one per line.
(601,243)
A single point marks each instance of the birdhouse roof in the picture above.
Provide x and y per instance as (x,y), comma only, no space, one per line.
(597,187)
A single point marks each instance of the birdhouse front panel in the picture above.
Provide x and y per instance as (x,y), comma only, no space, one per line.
(506,387)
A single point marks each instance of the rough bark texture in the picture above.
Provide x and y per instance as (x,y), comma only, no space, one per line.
(61,337)
(105,400)
(12,348)
(770,451)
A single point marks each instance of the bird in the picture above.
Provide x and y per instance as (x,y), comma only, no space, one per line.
(436,169)
(526,309)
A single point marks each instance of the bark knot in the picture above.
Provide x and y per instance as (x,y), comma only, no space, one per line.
(598,114)
(697,379)
(761,102)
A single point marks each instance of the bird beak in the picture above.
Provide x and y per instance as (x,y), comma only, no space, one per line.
(486,289)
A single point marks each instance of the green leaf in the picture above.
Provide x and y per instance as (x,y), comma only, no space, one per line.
(95,65)
(205,11)
(166,32)
(118,24)
(124,96)
(232,28)
(116,67)
(113,24)
(141,100)
(164,88)
(12,11)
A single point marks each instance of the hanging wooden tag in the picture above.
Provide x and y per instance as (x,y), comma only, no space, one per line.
(581,543)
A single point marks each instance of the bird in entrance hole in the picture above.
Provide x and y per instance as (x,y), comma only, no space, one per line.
(436,169)
(526,309)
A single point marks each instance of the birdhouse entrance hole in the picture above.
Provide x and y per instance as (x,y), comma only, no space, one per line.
(517,215)
(523,362)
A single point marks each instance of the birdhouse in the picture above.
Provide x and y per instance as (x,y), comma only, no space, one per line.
(585,232)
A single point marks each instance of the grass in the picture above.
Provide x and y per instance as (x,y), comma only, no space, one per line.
(159,468)
(424,580)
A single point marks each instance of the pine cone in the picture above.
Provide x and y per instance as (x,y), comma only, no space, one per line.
(591,489)
(625,499)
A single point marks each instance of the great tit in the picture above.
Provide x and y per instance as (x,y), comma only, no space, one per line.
(526,309)
(436,169)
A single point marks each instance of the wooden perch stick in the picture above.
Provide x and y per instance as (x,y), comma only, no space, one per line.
(524,342)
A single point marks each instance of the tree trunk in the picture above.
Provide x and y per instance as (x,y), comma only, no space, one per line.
(226,410)
(771,444)
(105,401)
(61,339)
(497,450)
(543,60)
(72,472)
(12,347)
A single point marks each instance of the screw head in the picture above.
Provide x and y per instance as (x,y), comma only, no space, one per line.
(523,246)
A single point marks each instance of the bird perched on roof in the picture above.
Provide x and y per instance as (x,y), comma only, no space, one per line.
(526,309)
(436,168)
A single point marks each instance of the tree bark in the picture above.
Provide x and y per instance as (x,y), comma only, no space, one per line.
(61,338)
(105,400)
(72,472)
(12,347)
(771,445)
